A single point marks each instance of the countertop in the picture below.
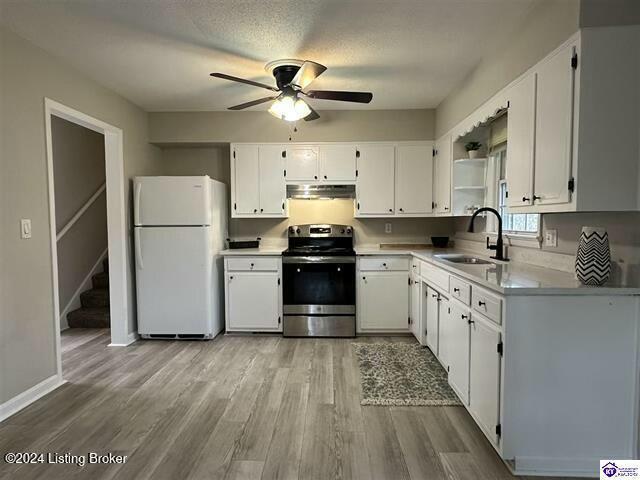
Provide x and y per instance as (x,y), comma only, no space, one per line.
(252,252)
(508,278)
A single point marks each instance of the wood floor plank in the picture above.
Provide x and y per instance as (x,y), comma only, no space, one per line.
(385,455)
(347,396)
(319,448)
(462,466)
(421,458)
(216,456)
(353,461)
(244,470)
(443,435)
(321,380)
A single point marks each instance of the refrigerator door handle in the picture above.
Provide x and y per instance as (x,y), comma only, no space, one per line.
(136,203)
(139,263)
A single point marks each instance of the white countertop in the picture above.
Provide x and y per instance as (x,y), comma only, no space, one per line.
(508,278)
(252,252)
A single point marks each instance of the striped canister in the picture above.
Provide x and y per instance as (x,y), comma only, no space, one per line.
(593,260)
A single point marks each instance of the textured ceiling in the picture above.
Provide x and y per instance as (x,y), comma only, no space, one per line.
(158,53)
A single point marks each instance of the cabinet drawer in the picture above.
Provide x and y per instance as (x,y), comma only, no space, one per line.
(435,276)
(460,290)
(260,264)
(381,264)
(487,304)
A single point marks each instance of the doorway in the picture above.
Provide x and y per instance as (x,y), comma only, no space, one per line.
(113,189)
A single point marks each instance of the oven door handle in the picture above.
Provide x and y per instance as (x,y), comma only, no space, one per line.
(318,259)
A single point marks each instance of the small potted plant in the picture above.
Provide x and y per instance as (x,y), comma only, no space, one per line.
(472,149)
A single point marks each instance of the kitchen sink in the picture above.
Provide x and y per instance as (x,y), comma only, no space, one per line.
(466,259)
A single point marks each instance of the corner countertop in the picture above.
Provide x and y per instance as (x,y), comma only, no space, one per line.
(508,278)
(253,252)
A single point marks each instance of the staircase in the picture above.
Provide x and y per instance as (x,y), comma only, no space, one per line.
(94,312)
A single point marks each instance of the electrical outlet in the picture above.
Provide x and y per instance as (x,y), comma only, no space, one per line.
(551,238)
(25,228)
(387,228)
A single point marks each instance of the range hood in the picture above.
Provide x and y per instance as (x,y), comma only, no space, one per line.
(321,192)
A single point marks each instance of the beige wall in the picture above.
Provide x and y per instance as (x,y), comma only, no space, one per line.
(601,13)
(337,126)
(78,171)
(550,24)
(28,75)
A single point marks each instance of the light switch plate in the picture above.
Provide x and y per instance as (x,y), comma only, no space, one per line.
(387,228)
(25,228)
(551,238)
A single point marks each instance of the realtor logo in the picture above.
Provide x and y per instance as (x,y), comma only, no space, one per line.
(628,469)
(609,469)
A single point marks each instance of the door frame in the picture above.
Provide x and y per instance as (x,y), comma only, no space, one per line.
(116,222)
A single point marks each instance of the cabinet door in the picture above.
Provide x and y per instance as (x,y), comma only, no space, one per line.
(458,350)
(444,331)
(272,184)
(554,126)
(416,318)
(253,301)
(246,181)
(414,179)
(302,163)
(443,161)
(338,163)
(375,182)
(431,315)
(484,375)
(520,140)
(383,301)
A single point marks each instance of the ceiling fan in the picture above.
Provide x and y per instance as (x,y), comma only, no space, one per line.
(292,77)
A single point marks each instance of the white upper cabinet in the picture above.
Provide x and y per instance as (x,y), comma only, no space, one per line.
(520,142)
(375,183)
(554,127)
(272,185)
(245,179)
(257,181)
(338,163)
(443,159)
(414,179)
(301,163)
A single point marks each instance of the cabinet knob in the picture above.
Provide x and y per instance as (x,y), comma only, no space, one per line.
(255,210)
(325,177)
(456,290)
(535,197)
(315,177)
(231,277)
(364,278)
(391,209)
(525,199)
(339,269)
(434,295)
(298,270)
(384,265)
(252,265)
(261,210)
(481,303)
(446,208)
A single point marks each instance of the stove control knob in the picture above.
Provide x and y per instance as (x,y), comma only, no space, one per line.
(298,231)
(292,230)
(348,231)
(342,231)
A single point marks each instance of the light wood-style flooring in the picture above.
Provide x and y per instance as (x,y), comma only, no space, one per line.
(237,407)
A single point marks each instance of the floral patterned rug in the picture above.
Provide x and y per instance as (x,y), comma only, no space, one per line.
(402,374)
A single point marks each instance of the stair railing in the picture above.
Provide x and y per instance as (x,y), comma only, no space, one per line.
(80,212)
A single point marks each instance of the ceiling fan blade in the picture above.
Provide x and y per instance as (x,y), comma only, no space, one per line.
(358,97)
(252,103)
(243,80)
(312,116)
(308,72)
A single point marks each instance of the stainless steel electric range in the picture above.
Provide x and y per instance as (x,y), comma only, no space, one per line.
(319,282)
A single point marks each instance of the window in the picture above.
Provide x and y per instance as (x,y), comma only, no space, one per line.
(525,224)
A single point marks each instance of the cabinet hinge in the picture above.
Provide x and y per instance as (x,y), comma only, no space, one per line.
(285,172)
(356,173)
(571,185)
(234,154)
(499,430)
(434,152)
(278,281)
(279,320)
(235,206)
(506,194)
(409,280)
(433,205)
(409,320)
(284,154)
(448,368)
(357,153)
(283,205)
(358,205)
(500,348)
(574,61)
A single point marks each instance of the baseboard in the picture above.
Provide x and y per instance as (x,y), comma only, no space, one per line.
(26,398)
(131,338)
(555,467)
(86,284)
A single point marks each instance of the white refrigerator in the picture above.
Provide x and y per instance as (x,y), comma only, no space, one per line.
(180,229)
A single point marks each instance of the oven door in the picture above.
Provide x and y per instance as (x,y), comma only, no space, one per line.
(319,285)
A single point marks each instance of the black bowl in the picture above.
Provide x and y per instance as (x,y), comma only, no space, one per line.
(440,242)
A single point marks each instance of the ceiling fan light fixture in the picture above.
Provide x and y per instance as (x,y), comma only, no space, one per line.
(290,109)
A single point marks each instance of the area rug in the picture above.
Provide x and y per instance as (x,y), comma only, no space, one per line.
(402,374)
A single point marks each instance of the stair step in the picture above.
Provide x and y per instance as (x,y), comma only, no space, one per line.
(89,318)
(105,265)
(100,280)
(96,297)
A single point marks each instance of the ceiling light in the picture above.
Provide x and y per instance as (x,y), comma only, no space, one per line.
(289,108)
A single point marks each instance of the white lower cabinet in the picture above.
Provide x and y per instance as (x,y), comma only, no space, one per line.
(253,295)
(431,312)
(415,313)
(383,301)
(484,375)
(458,350)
